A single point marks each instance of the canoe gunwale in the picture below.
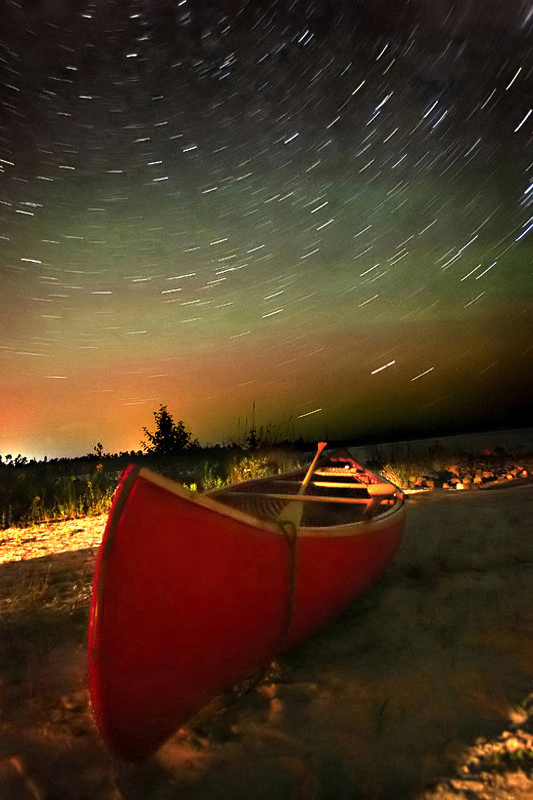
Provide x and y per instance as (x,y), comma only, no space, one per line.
(209,502)
(113,521)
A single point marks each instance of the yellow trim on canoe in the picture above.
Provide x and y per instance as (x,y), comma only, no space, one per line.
(356,528)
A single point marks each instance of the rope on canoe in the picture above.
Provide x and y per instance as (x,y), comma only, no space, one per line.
(290,533)
(269,509)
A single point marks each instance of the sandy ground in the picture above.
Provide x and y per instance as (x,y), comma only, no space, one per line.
(50,539)
(422,689)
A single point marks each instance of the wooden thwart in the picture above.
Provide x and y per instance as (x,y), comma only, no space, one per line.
(323,484)
(305,498)
(340,485)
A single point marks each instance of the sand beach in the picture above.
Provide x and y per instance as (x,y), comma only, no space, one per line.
(421,690)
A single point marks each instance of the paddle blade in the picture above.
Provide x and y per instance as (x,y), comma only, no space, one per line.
(292,513)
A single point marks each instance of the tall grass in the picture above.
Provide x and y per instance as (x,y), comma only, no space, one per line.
(45,491)
(33,494)
(42,492)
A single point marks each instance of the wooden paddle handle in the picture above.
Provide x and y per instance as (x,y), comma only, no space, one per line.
(308,476)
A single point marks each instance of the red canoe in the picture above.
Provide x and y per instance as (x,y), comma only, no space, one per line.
(193,593)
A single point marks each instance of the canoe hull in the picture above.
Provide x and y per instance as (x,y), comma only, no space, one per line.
(190,598)
(332,571)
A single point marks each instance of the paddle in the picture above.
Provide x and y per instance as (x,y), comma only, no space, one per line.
(293,511)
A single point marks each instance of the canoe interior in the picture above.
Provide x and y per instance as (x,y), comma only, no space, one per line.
(347,484)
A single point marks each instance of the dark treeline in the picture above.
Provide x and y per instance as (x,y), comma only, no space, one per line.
(63,488)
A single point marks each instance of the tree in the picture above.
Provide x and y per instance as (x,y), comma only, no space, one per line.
(169,437)
(252,439)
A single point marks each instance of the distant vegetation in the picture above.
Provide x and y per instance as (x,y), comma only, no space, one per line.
(63,488)
(68,488)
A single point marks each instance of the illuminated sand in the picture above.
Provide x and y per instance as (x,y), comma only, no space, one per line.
(385,701)
(49,539)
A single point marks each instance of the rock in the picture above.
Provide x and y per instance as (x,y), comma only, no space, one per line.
(114,794)
(307,785)
(268,690)
(15,783)
(78,701)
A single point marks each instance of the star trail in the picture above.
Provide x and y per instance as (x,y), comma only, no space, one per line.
(211,205)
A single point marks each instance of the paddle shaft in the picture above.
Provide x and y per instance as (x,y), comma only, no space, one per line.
(309,474)
(291,515)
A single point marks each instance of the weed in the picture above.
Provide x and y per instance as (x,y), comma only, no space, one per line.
(33,591)
(249,468)
(210,480)
(400,474)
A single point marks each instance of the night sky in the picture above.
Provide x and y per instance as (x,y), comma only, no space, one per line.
(322,208)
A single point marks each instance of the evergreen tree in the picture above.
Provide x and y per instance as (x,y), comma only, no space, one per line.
(169,437)
(252,439)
